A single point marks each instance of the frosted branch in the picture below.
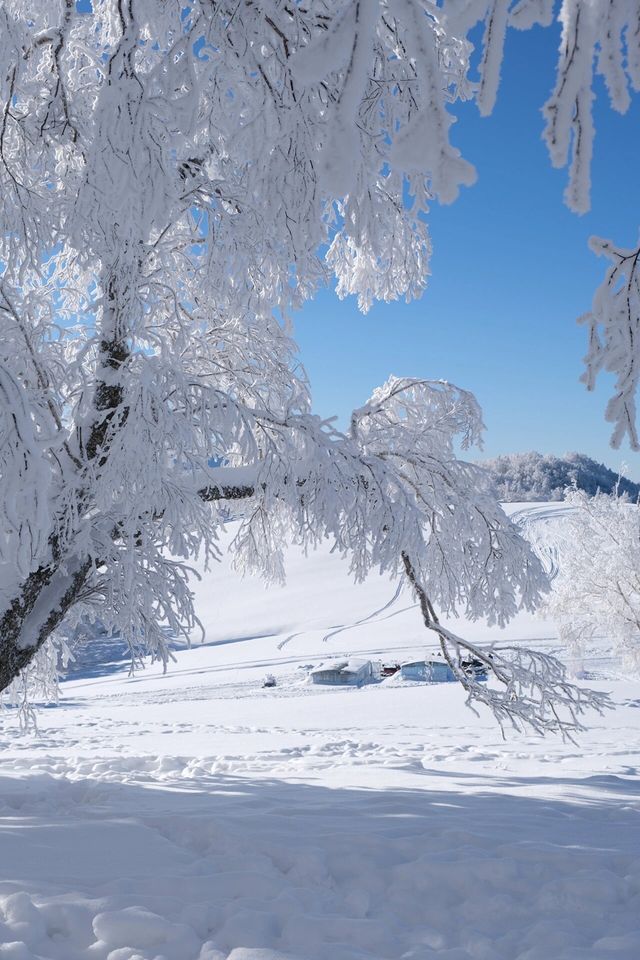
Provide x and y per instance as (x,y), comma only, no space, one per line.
(526,689)
(614,337)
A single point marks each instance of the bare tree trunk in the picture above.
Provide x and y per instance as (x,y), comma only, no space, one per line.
(45,597)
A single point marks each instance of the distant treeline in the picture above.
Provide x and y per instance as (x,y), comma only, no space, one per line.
(536,476)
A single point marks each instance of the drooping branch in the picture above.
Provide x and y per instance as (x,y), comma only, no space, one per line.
(526,688)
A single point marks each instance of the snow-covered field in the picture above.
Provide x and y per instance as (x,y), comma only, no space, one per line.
(198,816)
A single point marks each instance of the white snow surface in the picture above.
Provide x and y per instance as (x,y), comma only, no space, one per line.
(198,816)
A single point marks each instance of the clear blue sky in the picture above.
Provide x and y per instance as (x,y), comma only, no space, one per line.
(511,271)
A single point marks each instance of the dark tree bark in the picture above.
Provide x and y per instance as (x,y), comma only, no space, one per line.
(30,621)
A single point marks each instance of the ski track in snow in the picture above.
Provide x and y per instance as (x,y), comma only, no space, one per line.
(537,525)
(197,816)
(376,615)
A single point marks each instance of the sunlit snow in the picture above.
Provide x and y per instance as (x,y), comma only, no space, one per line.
(200,816)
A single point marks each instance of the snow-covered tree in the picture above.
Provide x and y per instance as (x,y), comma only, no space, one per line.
(171,175)
(536,476)
(597,589)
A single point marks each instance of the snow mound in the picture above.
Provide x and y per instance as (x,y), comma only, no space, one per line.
(246,869)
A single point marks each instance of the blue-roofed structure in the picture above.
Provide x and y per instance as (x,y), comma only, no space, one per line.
(434,670)
(428,671)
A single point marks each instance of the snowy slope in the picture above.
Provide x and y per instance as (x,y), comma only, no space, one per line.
(197,816)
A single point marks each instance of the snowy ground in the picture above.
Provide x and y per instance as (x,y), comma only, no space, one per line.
(198,816)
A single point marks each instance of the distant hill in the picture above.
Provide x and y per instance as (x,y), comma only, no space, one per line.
(536,476)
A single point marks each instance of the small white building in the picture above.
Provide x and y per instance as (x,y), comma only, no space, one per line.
(351,672)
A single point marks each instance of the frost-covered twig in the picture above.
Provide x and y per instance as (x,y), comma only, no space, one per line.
(614,337)
(37,683)
(527,689)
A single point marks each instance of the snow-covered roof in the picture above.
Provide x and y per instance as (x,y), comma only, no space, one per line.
(342,666)
(435,659)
